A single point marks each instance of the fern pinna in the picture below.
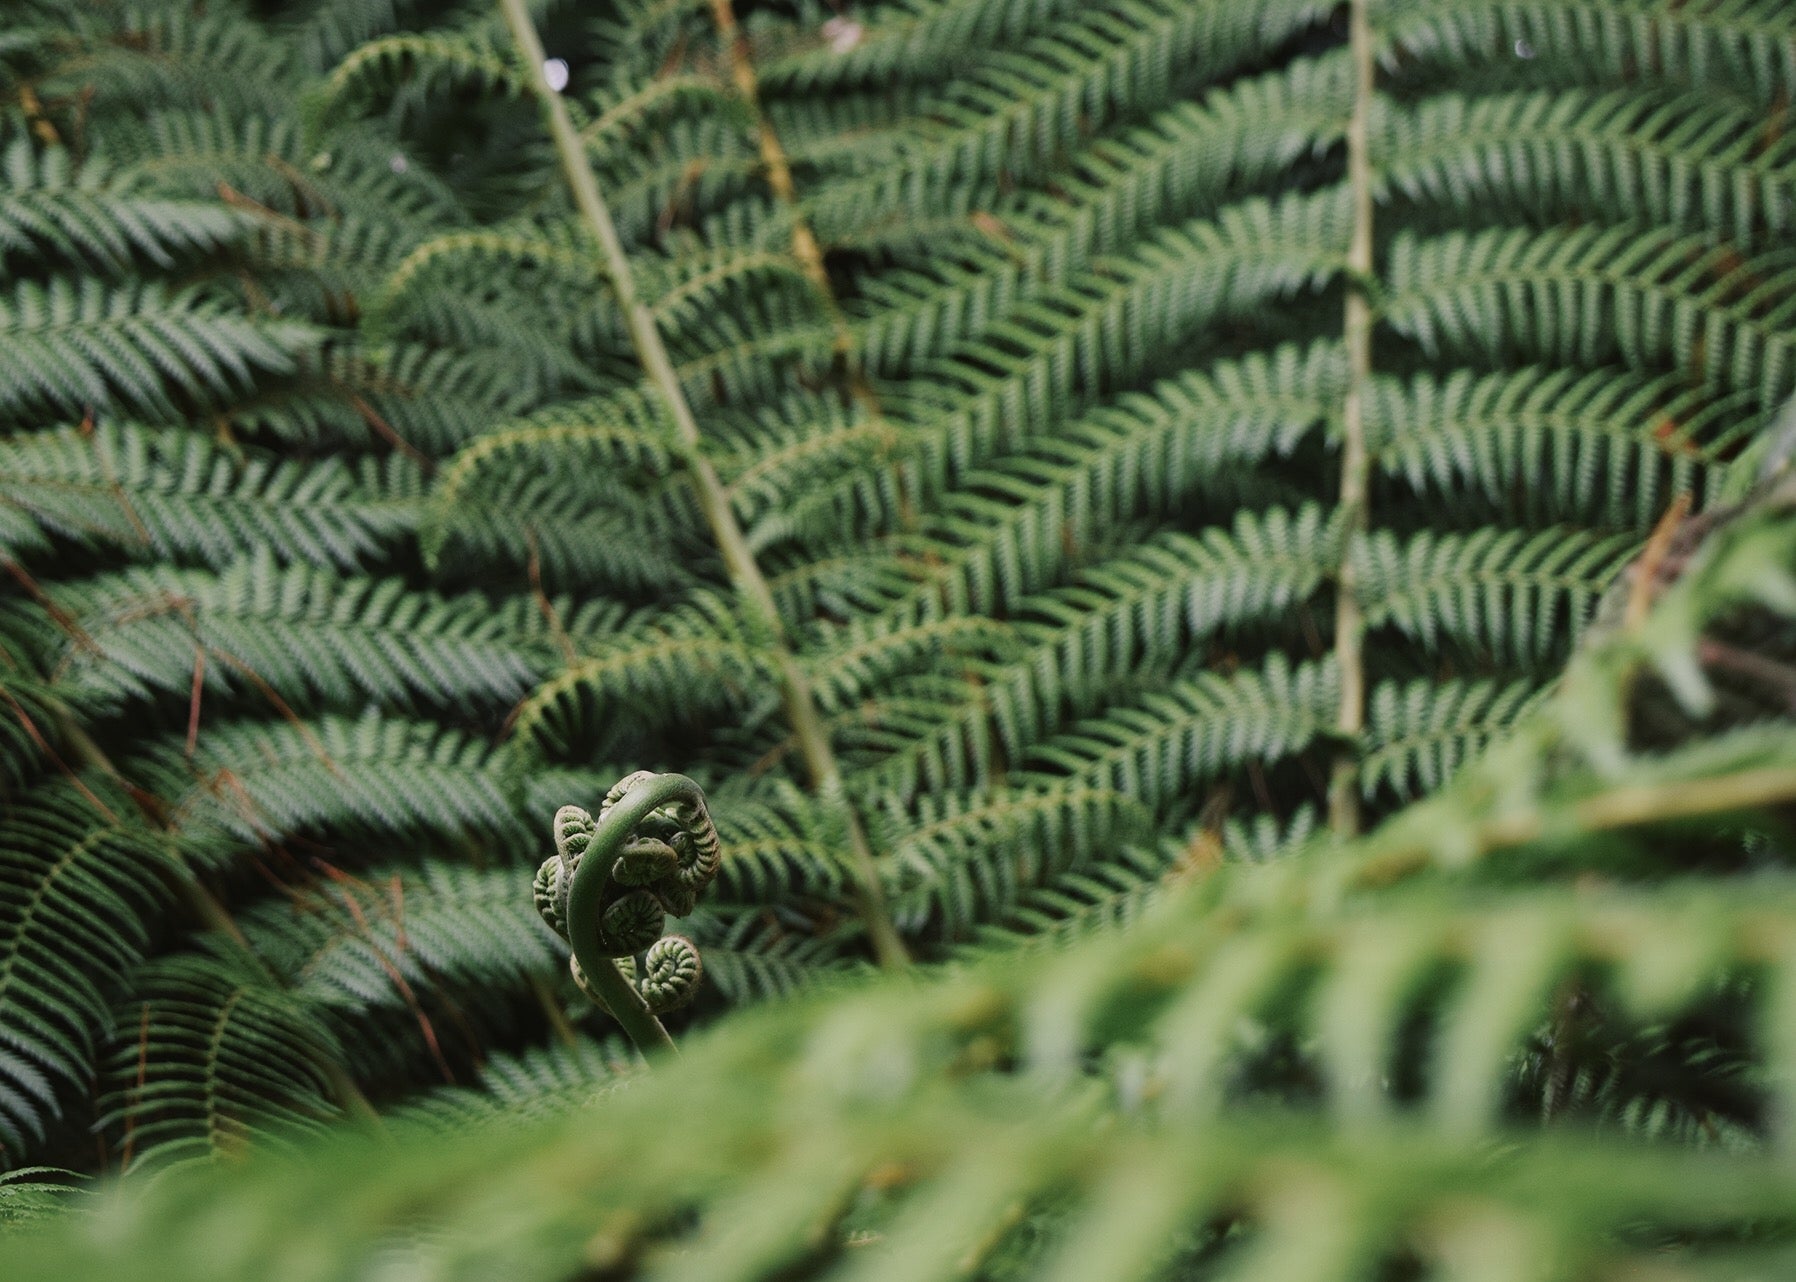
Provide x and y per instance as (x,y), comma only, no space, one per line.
(1146,419)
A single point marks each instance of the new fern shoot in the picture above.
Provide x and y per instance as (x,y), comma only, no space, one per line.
(610,887)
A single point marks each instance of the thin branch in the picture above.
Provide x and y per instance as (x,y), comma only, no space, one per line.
(745,574)
(1356,464)
(778,172)
(1627,806)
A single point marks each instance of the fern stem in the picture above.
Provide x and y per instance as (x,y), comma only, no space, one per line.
(1356,465)
(805,248)
(1627,806)
(627,1007)
(745,573)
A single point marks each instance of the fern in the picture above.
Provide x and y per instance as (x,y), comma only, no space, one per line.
(77,346)
(212,1061)
(91,220)
(1017,546)
(81,892)
(185,498)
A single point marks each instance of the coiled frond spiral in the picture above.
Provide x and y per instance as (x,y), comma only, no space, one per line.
(612,882)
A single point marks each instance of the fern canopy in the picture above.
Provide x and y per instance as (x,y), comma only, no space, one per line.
(1251,539)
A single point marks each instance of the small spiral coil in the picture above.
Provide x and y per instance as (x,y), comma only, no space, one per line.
(630,923)
(656,868)
(671,972)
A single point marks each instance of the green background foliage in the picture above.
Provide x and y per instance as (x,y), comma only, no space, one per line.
(346,539)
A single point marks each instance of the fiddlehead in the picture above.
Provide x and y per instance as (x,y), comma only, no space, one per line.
(668,978)
(611,884)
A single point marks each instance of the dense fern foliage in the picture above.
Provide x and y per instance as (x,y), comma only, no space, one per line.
(1152,435)
(1334,1064)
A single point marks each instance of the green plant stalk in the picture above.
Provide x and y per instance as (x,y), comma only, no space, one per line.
(1356,464)
(1626,806)
(801,708)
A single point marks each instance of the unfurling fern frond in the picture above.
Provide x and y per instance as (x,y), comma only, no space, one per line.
(611,884)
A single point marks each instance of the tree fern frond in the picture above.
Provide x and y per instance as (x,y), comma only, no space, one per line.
(1022,376)
(371,940)
(79,891)
(1651,296)
(1192,156)
(25,1197)
(157,55)
(265,158)
(255,781)
(1263,837)
(470,255)
(1162,597)
(316,637)
(754,955)
(432,399)
(697,167)
(1107,895)
(627,113)
(35,716)
(1187,160)
(425,64)
(681,663)
(524,519)
(1101,329)
(958,860)
(923,42)
(848,663)
(1017,112)
(1607,444)
(208,1058)
(1014,527)
(180,495)
(1740,44)
(1516,596)
(1419,733)
(92,219)
(688,289)
(790,454)
(543,1081)
(600,434)
(1194,730)
(80,346)
(1687,159)
(777,842)
(326,30)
